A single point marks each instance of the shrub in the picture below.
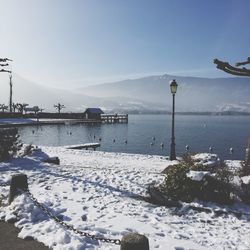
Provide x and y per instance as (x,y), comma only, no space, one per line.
(188,159)
(177,186)
(193,165)
(215,190)
(223,174)
(245,169)
(9,143)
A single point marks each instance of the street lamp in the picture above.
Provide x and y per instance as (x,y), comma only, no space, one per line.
(173,88)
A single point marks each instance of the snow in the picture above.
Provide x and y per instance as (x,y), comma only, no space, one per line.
(197,175)
(206,159)
(234,166)
(246,179)
(99,193)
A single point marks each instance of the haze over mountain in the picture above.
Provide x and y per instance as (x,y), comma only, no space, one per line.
(148,94)
(25,91)
(193,94)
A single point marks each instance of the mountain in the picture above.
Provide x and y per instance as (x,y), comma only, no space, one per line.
(193,94)
(240,107)
(25,91)
(144,95)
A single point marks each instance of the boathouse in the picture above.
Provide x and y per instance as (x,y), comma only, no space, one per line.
(93,113)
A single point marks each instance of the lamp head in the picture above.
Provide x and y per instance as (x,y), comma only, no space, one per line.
(173,86)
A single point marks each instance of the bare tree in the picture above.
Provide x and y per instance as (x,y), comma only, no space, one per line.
(5,59)
(226,67)
(21,106)
(238,71)
(59,107)
(4,70)
(3,107)
(14,107)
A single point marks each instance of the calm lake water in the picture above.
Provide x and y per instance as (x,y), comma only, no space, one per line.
(200,132)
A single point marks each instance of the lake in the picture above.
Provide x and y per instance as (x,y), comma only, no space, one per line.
(197,131)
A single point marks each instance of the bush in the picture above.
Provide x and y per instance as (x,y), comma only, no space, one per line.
(245,169)
(223,174)
(9,143)
(215,190)
(177,186)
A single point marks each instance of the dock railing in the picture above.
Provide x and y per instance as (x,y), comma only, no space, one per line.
(114,118)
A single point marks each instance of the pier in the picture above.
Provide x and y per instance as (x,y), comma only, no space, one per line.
(114,118)
(85,146)
(30,119)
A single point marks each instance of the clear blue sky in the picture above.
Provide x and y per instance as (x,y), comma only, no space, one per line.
(67,43)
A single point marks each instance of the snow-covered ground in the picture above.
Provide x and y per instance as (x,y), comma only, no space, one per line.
(98,192)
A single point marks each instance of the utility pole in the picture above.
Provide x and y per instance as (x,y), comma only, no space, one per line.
(10,102)
(3,63)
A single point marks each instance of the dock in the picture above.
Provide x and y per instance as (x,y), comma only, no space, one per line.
(114,118)
(85,146)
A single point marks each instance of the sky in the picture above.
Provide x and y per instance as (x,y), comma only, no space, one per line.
(73,43)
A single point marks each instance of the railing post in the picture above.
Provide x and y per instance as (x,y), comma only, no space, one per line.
(134,241)
(17,182)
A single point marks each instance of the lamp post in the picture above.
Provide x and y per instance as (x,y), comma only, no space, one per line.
(173,88)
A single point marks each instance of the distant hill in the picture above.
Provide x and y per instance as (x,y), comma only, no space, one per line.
(193,94)
(25,91)
(144,95)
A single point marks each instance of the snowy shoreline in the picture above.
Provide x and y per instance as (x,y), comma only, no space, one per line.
(95,191)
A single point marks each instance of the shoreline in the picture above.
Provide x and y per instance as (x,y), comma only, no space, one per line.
(33,122)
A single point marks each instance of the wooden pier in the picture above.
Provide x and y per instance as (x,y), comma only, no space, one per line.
(85,146)
(114,118)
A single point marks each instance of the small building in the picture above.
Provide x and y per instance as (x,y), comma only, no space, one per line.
(93,113)
(34,109)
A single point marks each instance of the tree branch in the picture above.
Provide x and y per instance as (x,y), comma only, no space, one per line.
(226,67)
(243,63)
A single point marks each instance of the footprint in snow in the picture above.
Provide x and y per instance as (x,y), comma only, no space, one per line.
(160,234)
(84,217)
